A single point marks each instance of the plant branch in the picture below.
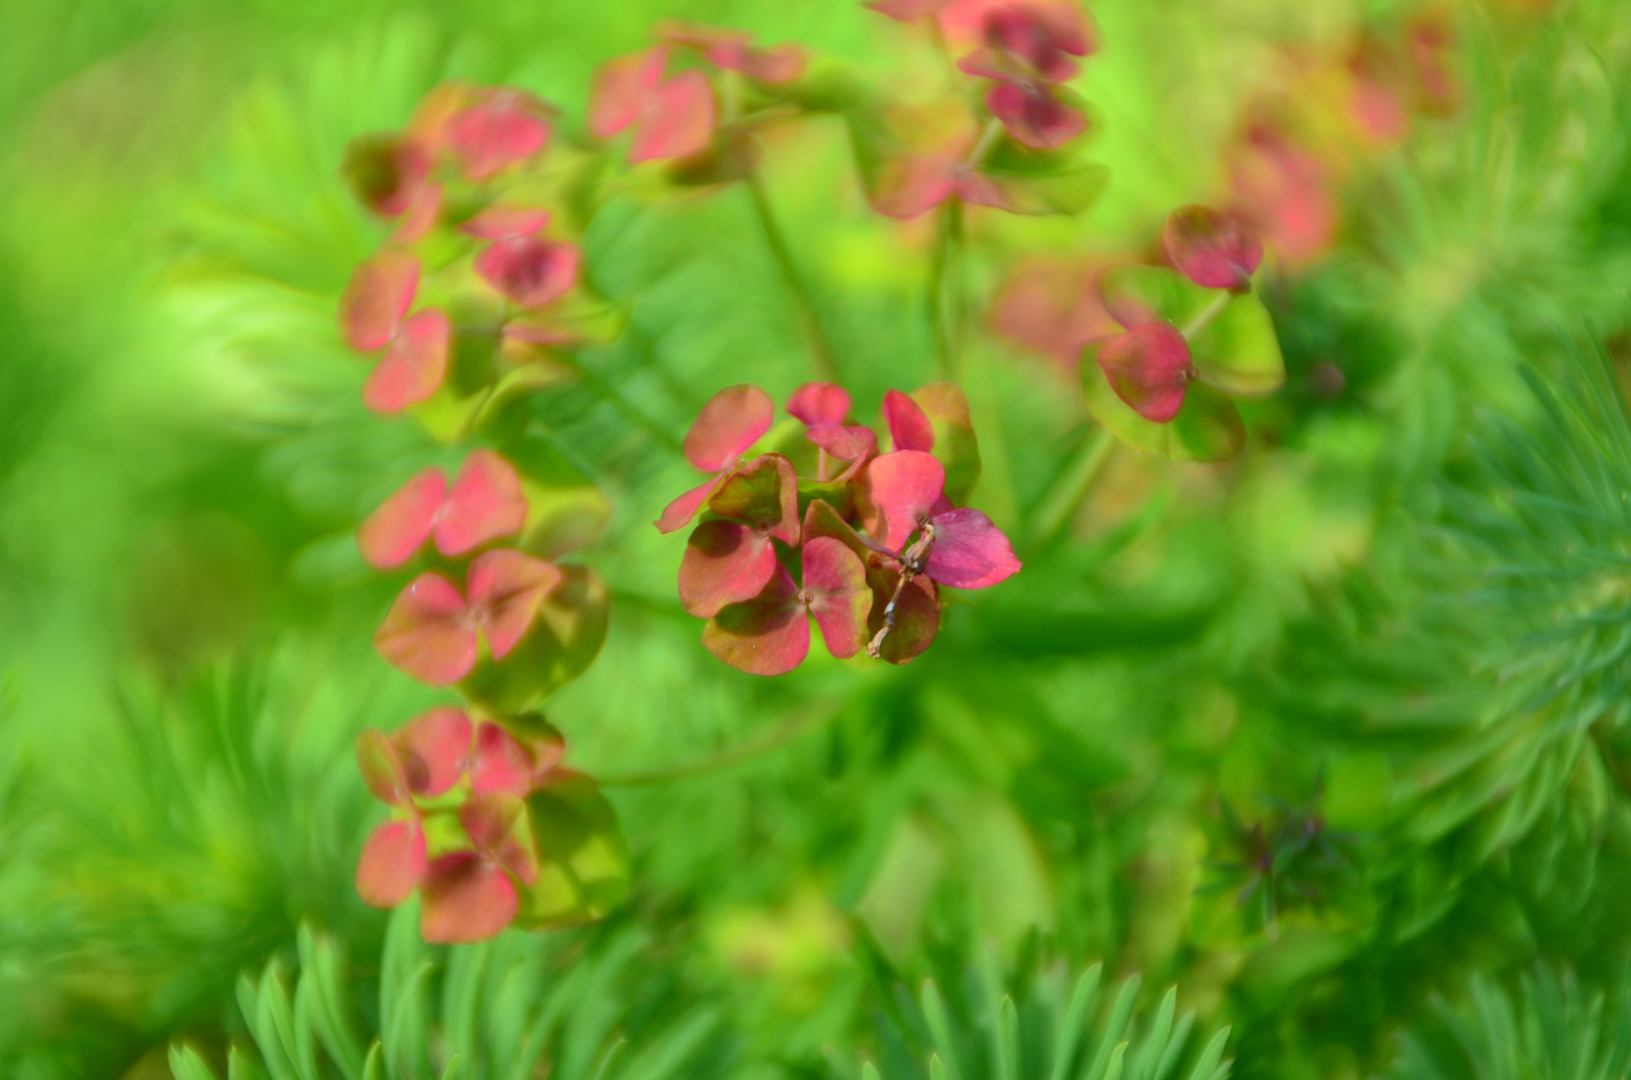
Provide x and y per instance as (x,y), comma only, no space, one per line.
(796,725)
(820,350)
(1204,319)
(1061,501)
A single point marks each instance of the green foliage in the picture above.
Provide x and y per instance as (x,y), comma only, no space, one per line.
(1059,1029)
(1554,1028)
(503,1010)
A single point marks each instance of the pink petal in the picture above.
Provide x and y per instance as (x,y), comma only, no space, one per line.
(621,88)
(725,563)
(777,64)
(1034,116)
(1041,36)
(490,820)
(506,589)
(1212,248)
(381,768)
(836,591)
(393,532)
(504,222)
(900,491)
(732,420)
(428,633)
(909,428)
(376,298)
(843,443)
(819,403)
(969,551)
(486,502)
(501,763)
(764,494)
(913,184)
(906,10)
(500,131)
(392,863)
(412,369)
(676,119)
(1149,368)
(423,214)
(528,270)
(433,747)
(678,514)
(768,635)
(464,898)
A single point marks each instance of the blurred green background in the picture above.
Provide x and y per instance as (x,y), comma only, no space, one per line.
(1329,737)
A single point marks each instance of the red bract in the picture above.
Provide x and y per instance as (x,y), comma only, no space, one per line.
(501,762)
(823,407)
(484,503)
(729,50)
(1149,368)
(924,155)
(1282,190)
(906,10)
(374,316)
(909,426)
(672,118)
(905,492)
(770,634)
(732,420)
(387,172)
(433,633)
(529,270)
(1053,307)
(393,858)
(503,222)
(728,561)
(1033,115)
(1212,248)
(819,403)
(1030,41)
(469,895)
(505,127)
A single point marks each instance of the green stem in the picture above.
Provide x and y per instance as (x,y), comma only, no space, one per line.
(820,350)
(1060,503)
(793,727)
(946,291)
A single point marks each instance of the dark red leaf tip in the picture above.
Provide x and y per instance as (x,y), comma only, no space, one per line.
(1212,248)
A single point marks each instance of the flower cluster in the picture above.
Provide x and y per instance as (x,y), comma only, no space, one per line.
(463,185)
(486,823)
(872,536)
(916,157)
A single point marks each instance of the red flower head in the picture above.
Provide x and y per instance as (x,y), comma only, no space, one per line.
(500,128)
(484,503)
(1212,248)
(731,421)
(729,50)
(958,547)
(470,895)
(672,118)
(374,316)
(433,632)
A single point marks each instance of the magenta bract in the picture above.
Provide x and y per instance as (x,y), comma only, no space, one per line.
(819,403)
(484,503)
(529,270)
(1032,115)
(731,421)
(672,118)
(506,127)
(1212,248)
(1149,368)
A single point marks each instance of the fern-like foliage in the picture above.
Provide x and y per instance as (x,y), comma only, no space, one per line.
(515,1007)
(1555,1029)
(1050,1028)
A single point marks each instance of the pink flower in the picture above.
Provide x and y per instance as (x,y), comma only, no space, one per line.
(500,128)
(962,548)
(374,317)
(823,408)
(672,118)
(484,503)
(1212,248)
(433,632)
(470,895)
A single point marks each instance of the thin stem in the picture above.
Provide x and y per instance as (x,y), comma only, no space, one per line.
(1062,500)
(794,726)
(988,139)
(1204,319)
(820,351)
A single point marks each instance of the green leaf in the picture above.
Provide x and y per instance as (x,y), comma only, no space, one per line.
(955,444)
(1008,1063)
(1068,191)
(1075,1023)
(1120,1013)
(1207,428)
(185,1064)
(934,1013)
(1136,294)
(1208,1061)
(1238,351)
(584,869)
(1155,1041)
(373,1067)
